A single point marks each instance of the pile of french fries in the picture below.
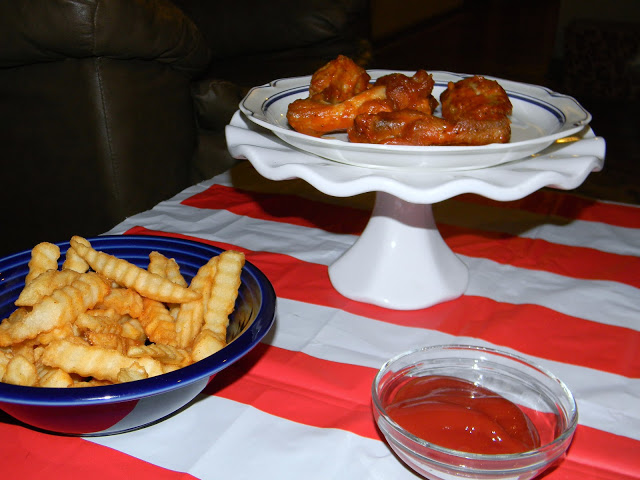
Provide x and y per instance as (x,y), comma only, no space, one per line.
(100,320)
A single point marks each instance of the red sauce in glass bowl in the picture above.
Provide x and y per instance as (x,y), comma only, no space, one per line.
(459,415)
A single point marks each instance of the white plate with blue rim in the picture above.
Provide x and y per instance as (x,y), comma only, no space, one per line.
(540,117)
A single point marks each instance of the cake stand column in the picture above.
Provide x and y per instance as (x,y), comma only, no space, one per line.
(400,261)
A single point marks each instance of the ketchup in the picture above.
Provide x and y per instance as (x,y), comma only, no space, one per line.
(459,415)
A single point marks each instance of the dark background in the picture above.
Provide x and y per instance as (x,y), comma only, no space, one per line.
(588,49)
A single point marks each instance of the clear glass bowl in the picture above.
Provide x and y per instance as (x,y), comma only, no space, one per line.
(546,400)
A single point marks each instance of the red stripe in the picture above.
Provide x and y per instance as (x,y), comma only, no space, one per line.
(537,254)
(604,455)
(301,388)
(524,327)
(503,248)
(290,209)
(552,203)
(327,394)
(29,454)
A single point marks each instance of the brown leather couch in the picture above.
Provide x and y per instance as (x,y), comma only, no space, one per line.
(108,107)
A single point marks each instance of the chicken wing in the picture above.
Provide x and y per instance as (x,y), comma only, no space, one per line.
(475,111)
(410,92)
(338,80)
(316,118)
(475,98)
(412,127)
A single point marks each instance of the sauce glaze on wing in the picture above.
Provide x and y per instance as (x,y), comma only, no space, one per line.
(399,109)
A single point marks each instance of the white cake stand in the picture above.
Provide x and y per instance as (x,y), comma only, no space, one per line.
(401,261)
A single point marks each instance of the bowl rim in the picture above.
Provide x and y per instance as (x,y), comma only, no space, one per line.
(207,367)
(572,420)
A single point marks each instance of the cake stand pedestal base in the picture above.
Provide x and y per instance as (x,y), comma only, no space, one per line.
(400,261)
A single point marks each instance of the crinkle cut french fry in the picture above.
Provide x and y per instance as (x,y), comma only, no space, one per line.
(163,353)
(206,343)
(89,361)
(125,301)
(166,267)
(62,306)
(5,357)
(224,292)
(75,262)
(190,317)
(132,373)
(44,256)
(53,377)
(20,371)
(132,329)
(97,323)
(158,323)
(44,285)
(129,275)
(65,331)
(109,340)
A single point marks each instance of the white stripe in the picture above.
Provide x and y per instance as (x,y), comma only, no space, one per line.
(606,401)
(600,301)
(217,438)
(595,300)
(554,229)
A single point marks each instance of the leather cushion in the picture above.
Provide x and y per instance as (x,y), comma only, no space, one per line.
(49,30)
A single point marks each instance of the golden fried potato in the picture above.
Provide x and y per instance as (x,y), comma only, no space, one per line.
(44,285)
(158,323)
(220,305)
(44,256)
(62,306)
(124,301)
(166,267)
(89,361)
(20,371)
(53,377)
(75,262)
(190,318)
(166,354)
(132,329)
(207,343)
(224,292)
(132,373)
(129,275)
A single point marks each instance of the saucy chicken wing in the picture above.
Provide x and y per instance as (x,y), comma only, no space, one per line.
(340,91)
(475,98)
(475,111)
(316,118)
(338,80)
(412,127)
(410,92)
(398,109)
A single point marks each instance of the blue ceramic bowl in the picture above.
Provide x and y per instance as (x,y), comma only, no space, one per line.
(128,406)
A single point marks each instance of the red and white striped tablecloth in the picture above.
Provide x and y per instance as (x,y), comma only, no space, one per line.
(554,277)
